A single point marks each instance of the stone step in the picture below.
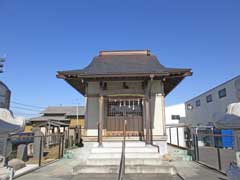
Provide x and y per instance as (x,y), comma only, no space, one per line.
(110,139)
(129,169)
(116,161)
(182,157)
(128,149)
(119,144)
(82,169)
(142,155)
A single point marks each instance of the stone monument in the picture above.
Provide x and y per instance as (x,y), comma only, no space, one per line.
(37,143)
(22,153)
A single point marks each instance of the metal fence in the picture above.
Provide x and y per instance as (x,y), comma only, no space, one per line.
(206,146)
(36,150)
(208,150)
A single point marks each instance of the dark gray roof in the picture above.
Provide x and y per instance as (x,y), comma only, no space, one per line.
(119,64)
(65,110)
(123,64)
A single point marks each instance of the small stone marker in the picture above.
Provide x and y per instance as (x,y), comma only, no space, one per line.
(30,149)
(16,164)
(22,152)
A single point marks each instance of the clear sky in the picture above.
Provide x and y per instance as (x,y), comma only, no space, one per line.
(41,37)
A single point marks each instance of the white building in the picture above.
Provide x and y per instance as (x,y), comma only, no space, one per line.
(206,108)
(175,118)
(175,114)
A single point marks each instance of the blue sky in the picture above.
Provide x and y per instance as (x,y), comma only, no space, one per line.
(41,37)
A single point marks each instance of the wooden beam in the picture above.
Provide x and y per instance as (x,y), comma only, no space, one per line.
(147,112)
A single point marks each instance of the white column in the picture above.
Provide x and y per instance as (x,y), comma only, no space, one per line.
(159,120)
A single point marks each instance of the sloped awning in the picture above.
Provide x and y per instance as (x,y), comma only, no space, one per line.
(228,121)
(52,124)
(7,127)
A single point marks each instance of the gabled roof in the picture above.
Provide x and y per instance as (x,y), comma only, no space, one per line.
(118,64)
(65,110)
(52,123)
(49,118)
(123,64)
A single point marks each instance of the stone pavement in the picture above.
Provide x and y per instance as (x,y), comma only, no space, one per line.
(189,170)
(62,170)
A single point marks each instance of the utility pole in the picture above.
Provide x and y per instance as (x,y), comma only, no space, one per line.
(77,117)
(78,130)
(2,60)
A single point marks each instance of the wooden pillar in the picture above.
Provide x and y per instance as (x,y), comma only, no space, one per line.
(58,130)
(150,119)
(147,115)
(100,120)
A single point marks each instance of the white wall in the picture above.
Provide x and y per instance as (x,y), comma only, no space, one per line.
(209,112)
(178,109)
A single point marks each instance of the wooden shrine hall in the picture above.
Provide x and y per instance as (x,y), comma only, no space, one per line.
(126,85)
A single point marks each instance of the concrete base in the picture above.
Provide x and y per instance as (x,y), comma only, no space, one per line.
(106,159)
(162,146)
(92,132)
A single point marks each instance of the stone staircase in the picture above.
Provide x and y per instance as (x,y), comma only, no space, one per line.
(139,159)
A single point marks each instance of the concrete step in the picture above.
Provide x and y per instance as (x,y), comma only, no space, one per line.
(128,149)
(129,169)
(109,169)
(151,169)
(102,162)
(119,144)
(129,155)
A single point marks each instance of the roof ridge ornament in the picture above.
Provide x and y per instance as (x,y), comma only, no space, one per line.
(125,52)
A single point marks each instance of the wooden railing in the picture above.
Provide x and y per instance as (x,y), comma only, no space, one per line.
(122,162)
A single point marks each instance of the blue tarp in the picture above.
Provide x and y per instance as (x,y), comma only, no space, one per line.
(227,141)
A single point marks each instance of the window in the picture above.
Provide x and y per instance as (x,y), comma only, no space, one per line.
(209,98)
(189,107)
(104,86)
(222,93)
(175,117)
(198,102)
(125,86)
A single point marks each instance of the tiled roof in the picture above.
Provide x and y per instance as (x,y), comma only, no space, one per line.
(65,110)
(129,64)
(50,118)
(123,64)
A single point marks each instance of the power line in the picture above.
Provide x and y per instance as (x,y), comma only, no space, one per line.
(23,113)
(23,108)
(28,105)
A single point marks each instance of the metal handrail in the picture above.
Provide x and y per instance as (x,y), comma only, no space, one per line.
(122,162)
